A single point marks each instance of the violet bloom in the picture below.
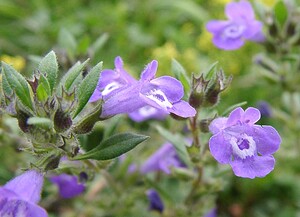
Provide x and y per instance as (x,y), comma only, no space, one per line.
(19,197)
(163,93)
(111,81)
(68,185)
(211,213)
(163,159)
(155,202)
(241,24)
(247,147)
(147,112)
(264,108)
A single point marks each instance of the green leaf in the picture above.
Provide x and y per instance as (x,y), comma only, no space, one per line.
(281,12)
(87,87)
(18,83)
(43,89)
(99,43)
(40,121)
(66,40)
(211,71)
(5,86)
(113,147)
(180,74)
(73,73)
(49,67)
(178,142)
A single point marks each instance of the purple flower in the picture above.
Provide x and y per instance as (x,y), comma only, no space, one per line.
(241,24)
(127,96)
(111,81)
(68,185)
(147,112)
(247,147)
(264,109)
(163,159)
(19,197)
(155,202)
(211,213)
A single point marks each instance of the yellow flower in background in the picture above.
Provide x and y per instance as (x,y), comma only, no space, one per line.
(204,41)
(269,3)
(168,50)
(222,1)
(17,62)
(188,28)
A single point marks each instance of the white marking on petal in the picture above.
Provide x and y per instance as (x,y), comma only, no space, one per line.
(147,111)
(110,87)
(243,146)
(160,98)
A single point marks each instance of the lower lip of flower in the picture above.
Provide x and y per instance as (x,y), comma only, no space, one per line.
(160,98)
(147,111)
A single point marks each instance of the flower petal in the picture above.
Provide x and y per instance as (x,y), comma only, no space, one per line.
(258,166)
(126,100)
(147,112)
(239,10)
(163,159)
(16,207)
(27,186)
(109,81)
(122,72)
(235,116)
(68,185)
(149,71)
(251,115)
(220,148)
(155,202)
(227,43)
(217,125)
(183,109)
(217,26)
(170,86)
(252,30)
(267,139)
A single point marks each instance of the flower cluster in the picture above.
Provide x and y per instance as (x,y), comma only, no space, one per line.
(241,24)
(247,147)
(146,98)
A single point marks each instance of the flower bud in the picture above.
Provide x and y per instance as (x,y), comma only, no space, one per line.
(197,95)
(218,85)
(22,116)
(204,124)
(62,120)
